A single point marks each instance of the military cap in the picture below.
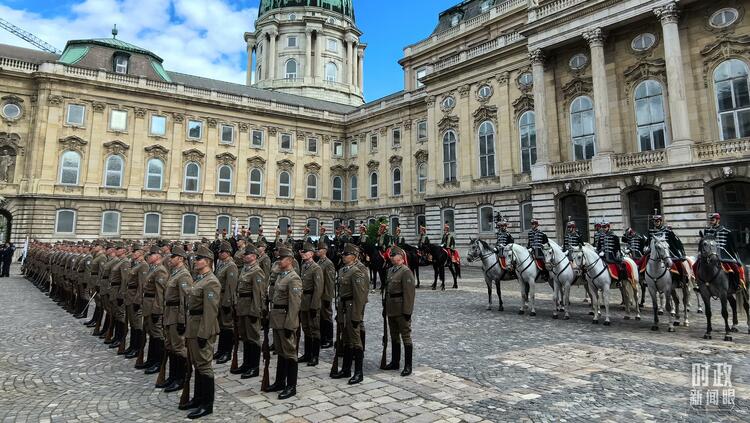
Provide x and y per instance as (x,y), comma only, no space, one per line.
(225,247)
(285,252)
(657,217)
(322,245)
(164,242)
(179,251)
(260,244)
(203,252)
(154,250)
(397,251)
(351,249)
(307,246)
(119,245)
(714,216)
(136,246)
(250,249)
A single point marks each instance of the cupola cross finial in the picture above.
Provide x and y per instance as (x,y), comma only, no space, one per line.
(114,31)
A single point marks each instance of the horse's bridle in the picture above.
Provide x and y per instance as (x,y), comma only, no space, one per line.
(586,268)
(514,259)
(659,258)
(554,265)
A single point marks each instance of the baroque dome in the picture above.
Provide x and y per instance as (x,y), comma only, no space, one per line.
(344,7)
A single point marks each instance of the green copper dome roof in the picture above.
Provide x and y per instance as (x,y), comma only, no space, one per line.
(113,43)
(344,7)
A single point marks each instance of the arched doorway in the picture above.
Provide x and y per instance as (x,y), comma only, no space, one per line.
(574,207)
(642,203)
(732,201)
(6,223)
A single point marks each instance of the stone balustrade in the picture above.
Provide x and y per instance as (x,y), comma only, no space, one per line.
(575,168)
(640,160)
(484,48)
(551,8)
(723,149)
(14,64)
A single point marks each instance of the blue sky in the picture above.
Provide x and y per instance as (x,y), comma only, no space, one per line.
(204,37)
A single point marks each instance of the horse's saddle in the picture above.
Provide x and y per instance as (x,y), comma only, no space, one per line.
(540,264)
(503,263)
(455,258)
(386,255)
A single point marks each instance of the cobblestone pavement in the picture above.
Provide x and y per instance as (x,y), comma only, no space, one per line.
(471,364)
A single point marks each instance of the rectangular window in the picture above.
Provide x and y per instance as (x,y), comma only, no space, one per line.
(449,217)
(338,149)
(110,223)
(421,221)
(257,139)
(65,223)
(224,224)
(190,225)
(118,120)
(312,145)
(76,114)
(152,224)
(396,137)
(486,217)
(253,225)
(333,45)
(373,143)
(227,134)
(284,224)
(286,142)
(121,64)
(353,149)
(291,42)
(527,212)
(422,130)
(421,73)
(195,129)
(158,125)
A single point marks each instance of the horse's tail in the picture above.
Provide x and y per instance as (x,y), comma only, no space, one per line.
(458,268)
(632,270)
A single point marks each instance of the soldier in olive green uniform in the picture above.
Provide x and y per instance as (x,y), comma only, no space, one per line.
(153,309)
(264,261)
(202,327)
(93,268)
(350,312)
(134,279)
(84,294)
(312,291)
(326,309)
(251,309)
(239,255)
(117,296)
(284,320)
(399,305)
(175,292)
(104,291)
(227,273)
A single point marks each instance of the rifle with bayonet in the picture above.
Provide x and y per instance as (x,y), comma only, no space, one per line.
(185,396)
(337,345)
(383,293)
(235,320)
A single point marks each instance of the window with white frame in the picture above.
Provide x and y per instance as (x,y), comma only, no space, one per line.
(394,223)
(313,225)
(256,139)
(527,131)
(732,86)
(312,187)
(291,41)
(65,221)
(70,168)
(486,150)
(195,129)
(76,115)
(396,137)
(422,130)
(422,178)
(154,174)
(338,188)
(421,221)
(120,64)
(353,148)
(118,120)
(374,185)
(338,149)
(421,73)
(449,217)
(189,224)
(332,72)
(253,224)
(285,143)
(312,145)
(113,171)
(192,177)
(152,224)
(332,45)
(582,128)
(284,224)
(396,178)
(373,143)
(486,219)
(291,69)
(527,212)
(158,125)
(110,222)
(353,188)
(650,116)
(486,4)
(256,182)
(227,134)
(285,185)
(224,223)
(225,180)
(723,18)
(450,160)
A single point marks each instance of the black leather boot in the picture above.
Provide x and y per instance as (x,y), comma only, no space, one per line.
(206,406)
(197,399)
(326,340)
(226,346)
(172,362)
(315,347)
(346,367)
(95,317)
(395,363)
(178,379)
(137,340)
(102,330)
(149,355)
(118,337)
(253,367)
(291,381)
(304,358)
(131,343)
(281,371)
(358,359)
(158,355)
(407,363)
(245,359)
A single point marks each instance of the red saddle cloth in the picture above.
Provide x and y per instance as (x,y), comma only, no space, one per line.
(540,264)
(614,270)
(386,255)
(735,268)
(503,264)
(455,258)
(641,263)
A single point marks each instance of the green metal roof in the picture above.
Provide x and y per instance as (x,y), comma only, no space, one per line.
(73,54)
(344,7)
(115,44)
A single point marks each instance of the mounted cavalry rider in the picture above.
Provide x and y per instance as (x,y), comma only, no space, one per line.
(597,234)
(572,237)
(636,243)
(324,239)
(727,251)
(537,239)
(503,236)
(398,239)
(384,241)
(609,249)
(362,233)
(423,239)
(676,249)
(448,242)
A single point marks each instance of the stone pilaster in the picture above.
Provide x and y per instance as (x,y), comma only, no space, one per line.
(539,170)
(602,161)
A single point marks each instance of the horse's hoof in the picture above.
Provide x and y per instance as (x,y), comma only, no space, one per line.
(566,318)
(637,317)
(434,288)
(699,311)
(655,328)
(627,317)
(585,300)
(442,288)
(500,308)
(671,329)
(706,336)
(734,329)
(532,314)
(554,316)
(520,312)
(676,324)
(641,305)
(607,323)
(727,338)
(594,322)
(455,286)
(489,308)
(591,313)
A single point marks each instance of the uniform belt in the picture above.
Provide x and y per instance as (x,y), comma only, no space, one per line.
(172,303)
(347,298)
(132,286)
(280,307)
(147,295)
(246,295)
(396,295)
(308,291)
(115,284)
(94,274)
(105,277)
(196,312)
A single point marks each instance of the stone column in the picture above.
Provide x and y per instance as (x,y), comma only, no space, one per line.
(602,162)
(348,64)
(353,64)
(678,108)
(272,54)
(360,66)
(250,65)
(309,62)
(539,170)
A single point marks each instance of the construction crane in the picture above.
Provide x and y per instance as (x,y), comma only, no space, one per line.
(29,37)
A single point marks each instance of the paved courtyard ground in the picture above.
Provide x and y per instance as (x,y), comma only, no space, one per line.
(471,365)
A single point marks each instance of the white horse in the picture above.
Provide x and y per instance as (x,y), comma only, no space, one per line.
(659,280)
(563,275)
(521,262)
(493,271)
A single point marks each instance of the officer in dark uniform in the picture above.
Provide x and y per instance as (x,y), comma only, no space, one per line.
(572,237)
(324,239)
(609,247)
(398,239)
(423,238)
(384,241)
(676,249)
(635,243)
(727,250)
(503,237)
(597,234)
(536,239)
(399,307)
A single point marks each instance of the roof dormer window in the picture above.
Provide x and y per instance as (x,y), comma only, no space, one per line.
(455,20)
(121,63)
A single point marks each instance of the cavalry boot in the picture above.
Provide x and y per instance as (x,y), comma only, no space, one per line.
(358,358)
(221,344)
(281,371)
(137,339)
(172,372)
(149,355)
(103,329)
(206,406)
(315,352)
(94,316)
(119,337)
(82,310)
(291,381)
(304,358)
(253,367)
(327,339)
(131,343)
(407,363)
(197,399)
(395,363)
(180,365)
(245,359)
(346,367)
(158,355)
(226,354)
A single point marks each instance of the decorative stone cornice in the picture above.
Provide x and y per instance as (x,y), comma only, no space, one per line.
(726,47)
(312,167)
(523,104)
(485,113)
(212,122)
(157,151)
(536,57)
(226,158)
(55,100)
(193,155)
(140,113)
(395,161)
(12,141)
(463,91)
(243,127)
(577,87)
(448,122)
(257,162)
(407,124)
(668,14)
(421,156)
(338,170)
(373,165)
(645,69)
(503,77)
(595,37)
(115,147)
(272,130)
(430,101)
(178,117)
(285,165)
(98,107)
(73,143)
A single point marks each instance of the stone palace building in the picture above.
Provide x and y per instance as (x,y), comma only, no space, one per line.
(552,108)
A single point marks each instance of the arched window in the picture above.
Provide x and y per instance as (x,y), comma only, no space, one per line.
(154,174)
(312,187)
(374,185)
(527,131)
(70,168)
(486,150)
(110,222)
(582,128)
(574,205)
(284,224)
(450,166)
(256,182)
(732,87)
(114,168)
(642,203)
(332,72)
(192,177)
(353,188)
(396,182)
(224,223)
(649,113)
(253,224)
(151,224)
(285,185)
(291,69)
(486,219)
(422,178)
(225,179)
(338,189)
(65,222)
(313,224)
(190,224)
